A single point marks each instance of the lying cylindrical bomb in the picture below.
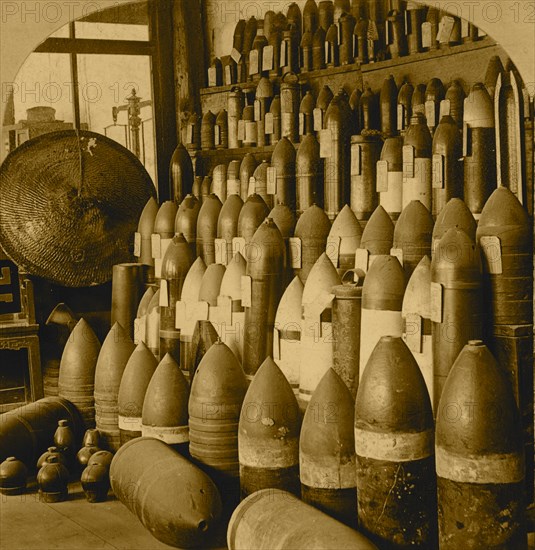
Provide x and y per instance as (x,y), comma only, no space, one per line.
(307,63)
(453,103)
(417,155)
(193,133)
(281,174)
(259,184)
(354,105)
(180,173)
(332,48)
(416,315)
(186,221)
(221,130)
(316,335)
(235,105)
(434,94)
(196,190)
(361,38)
(430,29)
(456,301)
(175,501)
(318,49)
(308,174)
(165,408)
(268,435)
(253,213)
(77,371)
(264,94)
(393,434)
(377,239)
(143,237)
(414,33)
(290,50)
(207,228)
(404,107)
(494,69)
(152,326)
(337,154)
(219,182)
(306,115)
(290,99)
(275,41)
(227,228)
(322,104)
(325,14)
(233,178)
(164,231)
(382,300)
(327,451)
(249,129)
(211,284)
(347,28)
(396,40)
(204,337)
(479,149)
(187,317)
(275,518)
(134,382)
(206,187)
(126,292)
(287,333)
(311,233)
(370,111)
(365,153)
(389,174)
(454,214)
(247,169)
(479,456)
(343,241)
(447,168)
(412,236)
(310,16)
(112,360)
(176,264)
(141,316)
(388,107)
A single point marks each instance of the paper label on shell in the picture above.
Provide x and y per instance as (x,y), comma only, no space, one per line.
(362,256)
(197,311)
(241,130)
(284,53)
(414,332)
(220,251)
(212,77)
(401,117)
(445,108)
(139,330)
(137,244)
(356,152)
(467,138)
(236,55)
(257,110)
(268,123)
(295,252)
(222,314)
(238,245)
(436,302)
(438,171)
(333,250)
(180,315)
(250,132)
(382,176)
(189,133)
(276,345)
(267,58)
(325,143)
(157,268)
(318,120)
(426,35)
(164,246)
(271,180)
(164,294)
(397,253)
(313,310)
(156,246)
(445,28)
(301,124)
(408,161)
(246,291)
(254,62)
(218,135)
(464,27)
(492,254)
(430,114)
(252,186)
(228,75)
(327,53)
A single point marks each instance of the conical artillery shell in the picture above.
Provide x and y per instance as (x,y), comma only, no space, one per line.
(273,518)
(322,104)
(396,484)
(293,15)
(227,226)
(207,228)
(343,240)
(287,333)
(347,28)
(219,182)
(306,52)
(275,40)
(361,36)
(196,190)
(327,451)
(264,95)
(388,106)
(221,130)
(389,174)
(164,231)
(432,23)
(454,214)
(283,163)
(126,292)
(233,178)
(332,48)
(268,436)
(193,133)
(259,184)
(310,16)
(247,169)
(434,94)
(290,44)
(250,126)
(404,106)
(479,456)
(479,149)
(412,236)
(235,105)
(238,35)
(416,314)
(211,284)
(325,14)
(494,69)
(253,213)
(112,360)
(354,105)
(382,299)
(290,100)
(312,230)
(186,220)
(456,305)
(175,501)
(144,234)
(377,239)
(316,336)
(414,36)
(275,113)
(347,306)
(306,115)
(265,269)
(152,326)
(284,219)
(365,153)
(370,112)
(447,167)
(455,97)
(318,49)
(141,315)
(309,174)
(251,27)
(134,382)
(165,408)
(180,174)
(204,337)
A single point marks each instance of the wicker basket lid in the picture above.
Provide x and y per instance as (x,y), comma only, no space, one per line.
(69,206)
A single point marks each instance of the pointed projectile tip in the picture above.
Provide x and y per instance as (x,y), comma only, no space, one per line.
(504,209)
(346,224)
(165,219)
(455,214)
(145,301)
(290,308)
(321,279)
(211,284)
(417,297)
(385,280)
(378,234)
(313,223)
(63,315)
(414,227)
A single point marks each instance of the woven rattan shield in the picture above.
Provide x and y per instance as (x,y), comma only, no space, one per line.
(69,206)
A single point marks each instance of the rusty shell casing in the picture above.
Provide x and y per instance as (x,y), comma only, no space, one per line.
(479,149)
(412,236)
(252,215)
(404,107)
(447,168)
(354,105)
(365,153)
(235,105)
(454,98)
(290,50)
(306,115)
(283,163)
(193,133)
(145,229)
(456,301)
(186,220)
(265,270)
(227,224)
(152,326)
(318,49)
(208,131)
(275,41)
(274,518)
(126,292)
(414,34)
(207,228)
(190,502)
(332,48)
(343,240)
(290,100)
(454,214)
(275,114)
(233,178)
(247,169)
(180,174)
(327,451)
(390,177)
(370,111)
(309,175)
(268,461)
(479,457)
(306,61)
(325,14)
(260,180)
(310,16)
(132,389)
(418,99)
(264,95)
(378,235)
(388,107)
(392,433)
(398,41)
(221,130)
(219,182)
(434,94)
